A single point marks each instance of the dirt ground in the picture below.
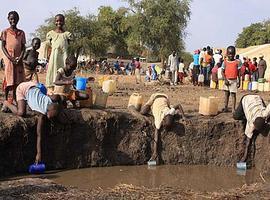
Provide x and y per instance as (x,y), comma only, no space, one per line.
(186,94)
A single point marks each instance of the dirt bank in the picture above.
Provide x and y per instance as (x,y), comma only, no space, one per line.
(45,189)
(115,137)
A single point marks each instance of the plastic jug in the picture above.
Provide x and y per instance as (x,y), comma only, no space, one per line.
(89,102)
(250,86)
(208,106)
(267,86)
(261,87)
(241,165)
(81,83)
(245,85)
(42,88)
(37,168)
(220,84)
(102,79)
(100,99)
(254,85)
(213,85)
(109,86)
(136,100)
(167,74)
(261,80)
(201,78)
(246,77)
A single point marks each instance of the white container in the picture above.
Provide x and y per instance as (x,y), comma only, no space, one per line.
(167,74)
(254,85)
(136,100)
(208,106)
(261,87)
(246,77)
(201,78)
(213,85)
(109,86)
(267,86)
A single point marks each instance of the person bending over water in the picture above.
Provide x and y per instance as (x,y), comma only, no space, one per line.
(45,106)
(253,111)
(164,115)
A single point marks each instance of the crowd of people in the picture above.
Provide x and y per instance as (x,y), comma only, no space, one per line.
(21,78)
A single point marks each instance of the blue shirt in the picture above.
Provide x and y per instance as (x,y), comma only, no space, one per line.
(37,101)
(196,59)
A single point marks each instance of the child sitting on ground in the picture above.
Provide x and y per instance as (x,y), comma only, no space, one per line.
(30,61)
(64,81)
(230,72)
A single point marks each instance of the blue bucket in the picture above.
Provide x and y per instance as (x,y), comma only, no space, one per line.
(37,168)
(81,83)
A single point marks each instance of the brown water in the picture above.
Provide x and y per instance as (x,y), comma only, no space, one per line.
(197,178)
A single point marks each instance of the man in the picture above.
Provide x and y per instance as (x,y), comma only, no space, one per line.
(196,67)
(217,57)
(253,111)
(164,115)
(262,66)
(173,63)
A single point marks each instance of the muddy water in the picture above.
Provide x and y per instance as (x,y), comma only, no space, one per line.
(197,178)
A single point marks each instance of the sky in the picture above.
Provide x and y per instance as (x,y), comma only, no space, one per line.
(213,22)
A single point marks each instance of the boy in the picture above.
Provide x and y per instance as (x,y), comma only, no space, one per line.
(164,115)
(29,93)
(253,111)
(30,61)
(230,72)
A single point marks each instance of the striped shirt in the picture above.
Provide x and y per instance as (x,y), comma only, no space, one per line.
(254,107)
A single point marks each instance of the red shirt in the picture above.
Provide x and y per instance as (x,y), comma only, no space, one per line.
(231,69)
(137,65)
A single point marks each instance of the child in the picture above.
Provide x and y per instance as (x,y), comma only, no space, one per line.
(29,93)
(30,61)
(214,74)
(137,70)
(13,46)
(181,70)
(59,40)
(230,72)
(64,81)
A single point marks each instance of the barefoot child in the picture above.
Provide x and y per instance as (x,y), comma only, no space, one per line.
(59,40)
(230,72)
(29,93)
(253,111)
(164,115)
(30,61)
(13,46)
(64,82)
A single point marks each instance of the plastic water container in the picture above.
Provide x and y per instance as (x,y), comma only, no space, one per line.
(213,84)
(241,165)
(254,85)
(246,77)
(208,106)
(220,84)
(37,168)
(102,79)
(201,78)
(109,86)
(88,102)
(261,87)
(167,74)
(152,163)
(81,83)
(100,99)
(250,86)
(267,86)
(42,88)
(245,85)
(136,100)
(261,80)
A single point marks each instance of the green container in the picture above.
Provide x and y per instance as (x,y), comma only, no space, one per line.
(261,80)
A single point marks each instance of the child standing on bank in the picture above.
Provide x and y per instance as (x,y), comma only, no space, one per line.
(230,72)
(181,70)
(13,46)
(30,61)
(59,40)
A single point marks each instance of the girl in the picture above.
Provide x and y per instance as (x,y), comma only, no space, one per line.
(64,81)
(181,70)
(13,46)
(59,40)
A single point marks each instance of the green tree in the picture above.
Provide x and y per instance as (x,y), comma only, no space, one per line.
(160,24)
(255,34)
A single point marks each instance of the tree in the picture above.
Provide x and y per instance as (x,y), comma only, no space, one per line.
(160,24)
(255,34)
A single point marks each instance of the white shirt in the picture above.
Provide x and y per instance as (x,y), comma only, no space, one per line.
(217,58)
(191,66)
(202,56)
(173,62)
(181,67)
(253,107)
